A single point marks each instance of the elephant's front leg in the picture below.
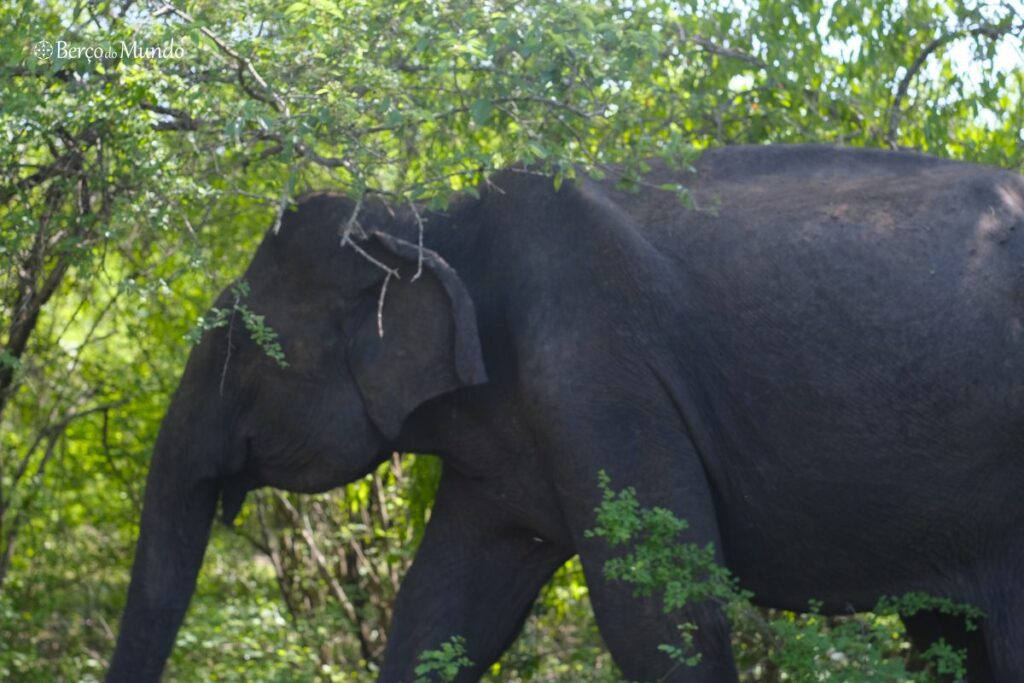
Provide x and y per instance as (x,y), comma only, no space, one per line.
(642,446)
(634,626)
(476,575)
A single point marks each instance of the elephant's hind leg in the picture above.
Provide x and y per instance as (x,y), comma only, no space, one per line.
(927,628)
(1004,637)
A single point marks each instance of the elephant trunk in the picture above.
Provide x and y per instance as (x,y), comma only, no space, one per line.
(178,510)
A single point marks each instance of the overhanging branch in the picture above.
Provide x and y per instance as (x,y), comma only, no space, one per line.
(244,65)
(895,109)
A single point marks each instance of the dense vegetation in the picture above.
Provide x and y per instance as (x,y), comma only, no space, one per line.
(144,150)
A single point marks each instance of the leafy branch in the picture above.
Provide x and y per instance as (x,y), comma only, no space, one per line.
(445,662)
(992,32)
(264,336)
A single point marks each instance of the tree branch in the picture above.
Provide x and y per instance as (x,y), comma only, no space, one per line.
(895,109)
(301,521)
(32,295)
(245,66)
(714,48)
(68,161)
(182,119)
(51,434)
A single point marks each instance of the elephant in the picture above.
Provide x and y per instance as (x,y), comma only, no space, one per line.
(819,365)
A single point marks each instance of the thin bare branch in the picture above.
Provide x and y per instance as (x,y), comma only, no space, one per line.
(369,257)
(285,198)
(114,469)
(56,429)
(71,161)
(346,240)
(714,48)
(305,528)
(245,66)
(182,120)
(380,302)
(227,354)
(453,111)
(352,224)
(419,242)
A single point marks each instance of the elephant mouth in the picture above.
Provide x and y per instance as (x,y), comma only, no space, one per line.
(314,463)
(232,495)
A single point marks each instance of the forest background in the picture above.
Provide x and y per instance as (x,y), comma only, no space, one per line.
(146,147)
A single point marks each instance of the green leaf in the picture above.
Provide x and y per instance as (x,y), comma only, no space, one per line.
(481,111)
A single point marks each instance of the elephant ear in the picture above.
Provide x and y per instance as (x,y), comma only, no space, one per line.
(430,344)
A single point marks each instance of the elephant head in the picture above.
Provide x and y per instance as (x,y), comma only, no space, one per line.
(359,361)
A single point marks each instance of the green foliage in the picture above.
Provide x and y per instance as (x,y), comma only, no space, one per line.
(854,650)
(684,655)
(211,320)
(657,559)
(910,604)
(946,660)
(443,663)
(808,647)
(262,335)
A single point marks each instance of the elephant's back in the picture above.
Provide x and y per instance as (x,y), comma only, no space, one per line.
(825,275)
(817,196)
(882,237)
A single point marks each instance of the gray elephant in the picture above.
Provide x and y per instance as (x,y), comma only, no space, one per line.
(821,368)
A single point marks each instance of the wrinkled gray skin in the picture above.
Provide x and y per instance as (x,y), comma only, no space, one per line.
(822,370)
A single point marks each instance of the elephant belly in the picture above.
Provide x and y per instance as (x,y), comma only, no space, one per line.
(847,535)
